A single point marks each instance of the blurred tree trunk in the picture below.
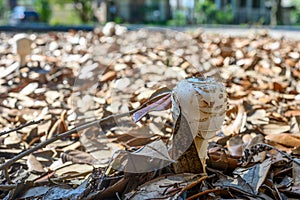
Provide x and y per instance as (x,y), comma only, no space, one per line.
(178,5)
(276,13)
(84,9)
(279,13)
(168,10)
(12,3)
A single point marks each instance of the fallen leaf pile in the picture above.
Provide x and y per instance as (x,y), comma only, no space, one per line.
(75,78)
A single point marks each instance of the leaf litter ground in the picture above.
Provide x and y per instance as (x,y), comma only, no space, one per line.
(255,155)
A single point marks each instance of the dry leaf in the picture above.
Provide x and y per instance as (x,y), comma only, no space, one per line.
(34,165)
(159,105)
(156,189)
(275,128)
(256,175)
(290,140)
(235,146)
(148,158)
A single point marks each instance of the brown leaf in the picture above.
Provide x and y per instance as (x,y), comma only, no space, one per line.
(279,87)
(77,156)
(235,146)
(255,176)
(290,140)
(72,169)
(291,113)
(275,128)
(108,76)
(34,165)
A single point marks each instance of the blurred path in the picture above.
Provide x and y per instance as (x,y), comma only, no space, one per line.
(230,30)
(276,33)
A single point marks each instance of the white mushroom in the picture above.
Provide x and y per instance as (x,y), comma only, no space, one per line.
(202,102)
(22,47)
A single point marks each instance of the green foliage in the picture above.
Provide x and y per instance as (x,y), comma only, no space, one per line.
(3,13)
(178,20)
(43,7)
(2,7)
(84,9)
(64,15)
(118,20)
(295,15)
(208,13)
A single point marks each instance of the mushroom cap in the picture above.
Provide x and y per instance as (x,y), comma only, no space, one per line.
(202,101)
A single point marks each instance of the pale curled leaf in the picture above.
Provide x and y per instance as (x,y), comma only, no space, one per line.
(145,159)
(275,128)
(159,105)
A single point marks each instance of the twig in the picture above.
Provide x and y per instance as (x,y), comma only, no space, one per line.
(260,147)
(193,184)
(21,126)
(281,152)
(7,187)
(204,193)
(63,135)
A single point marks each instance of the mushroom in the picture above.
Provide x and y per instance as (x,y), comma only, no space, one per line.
(22,47)
(198,108)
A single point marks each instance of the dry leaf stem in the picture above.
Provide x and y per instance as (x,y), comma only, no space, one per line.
(62,135)
(255,149)
(193,184)
(22,126)
(7,187)
(196,196)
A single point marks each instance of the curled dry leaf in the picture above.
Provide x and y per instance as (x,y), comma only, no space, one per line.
(159,100)
(146,159)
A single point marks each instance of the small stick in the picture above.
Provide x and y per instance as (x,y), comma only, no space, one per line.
(21,126)
(283,153)
(62,135)
(7,187)
(5,172)
(204,193)
(193,184)
(256,147)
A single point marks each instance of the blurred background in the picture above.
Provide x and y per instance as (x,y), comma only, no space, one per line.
(152,12)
